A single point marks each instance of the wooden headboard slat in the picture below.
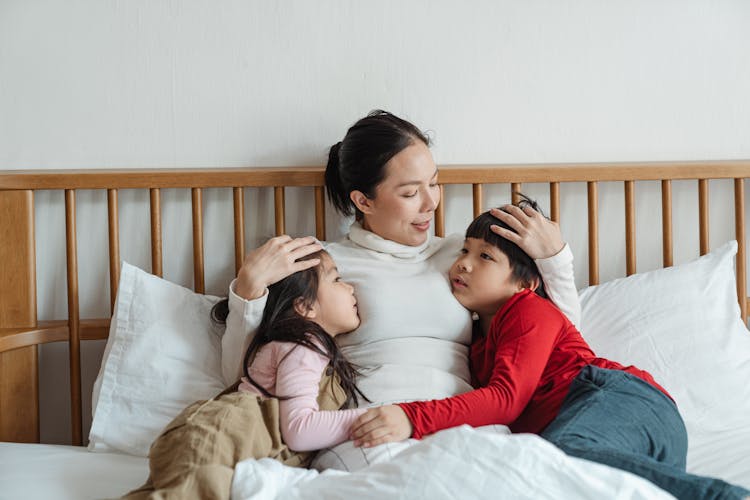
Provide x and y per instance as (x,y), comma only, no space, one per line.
(515,192)
(239,227)
(320,213)
(739,231)
(477,199)
(666,222)
(279,210)
(155,204)
(630,254)
(554,201)
(114,245)
(199,279)
(440,214)
(19,416)
(593,209)
(703,215)
(74,341)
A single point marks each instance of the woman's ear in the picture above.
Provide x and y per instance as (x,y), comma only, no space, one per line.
(305,310)
(361,201)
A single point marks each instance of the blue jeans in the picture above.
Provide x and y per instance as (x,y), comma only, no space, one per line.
(615,418)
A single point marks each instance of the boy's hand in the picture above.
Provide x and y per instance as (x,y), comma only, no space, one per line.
(383,424)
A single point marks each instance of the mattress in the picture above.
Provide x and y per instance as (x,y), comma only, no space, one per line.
(42,471)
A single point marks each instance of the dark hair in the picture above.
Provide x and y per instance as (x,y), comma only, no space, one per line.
(358,162)
(281,322)
(522,266)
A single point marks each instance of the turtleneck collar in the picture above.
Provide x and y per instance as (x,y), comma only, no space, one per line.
(371,241)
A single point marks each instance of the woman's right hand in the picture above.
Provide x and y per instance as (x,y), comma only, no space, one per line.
(273,261)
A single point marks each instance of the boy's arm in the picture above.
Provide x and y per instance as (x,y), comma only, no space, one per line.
(519,363)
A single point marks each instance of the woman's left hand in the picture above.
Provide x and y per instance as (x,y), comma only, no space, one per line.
(535,234)
(383,424)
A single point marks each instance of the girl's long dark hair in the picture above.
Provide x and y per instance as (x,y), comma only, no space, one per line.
(282,323)
(522,266)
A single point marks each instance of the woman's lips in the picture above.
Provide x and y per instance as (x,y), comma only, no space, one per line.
(423,226)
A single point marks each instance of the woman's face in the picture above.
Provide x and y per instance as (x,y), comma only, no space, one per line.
(405,201)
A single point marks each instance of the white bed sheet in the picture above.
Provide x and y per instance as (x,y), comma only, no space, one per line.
(462,462)
(43,471)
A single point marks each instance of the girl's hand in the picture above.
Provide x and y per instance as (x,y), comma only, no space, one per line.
(273,261)
(536,235)
(383,424)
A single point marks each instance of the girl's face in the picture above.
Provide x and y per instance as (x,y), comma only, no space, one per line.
(335,308)
(481,278)
(405,201)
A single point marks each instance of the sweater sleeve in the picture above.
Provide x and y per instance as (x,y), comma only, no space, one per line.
(523,350)
(242,323)
(559,283)
(304,426)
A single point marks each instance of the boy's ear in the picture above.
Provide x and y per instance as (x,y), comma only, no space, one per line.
(304,310)
(533,284)
(361,201)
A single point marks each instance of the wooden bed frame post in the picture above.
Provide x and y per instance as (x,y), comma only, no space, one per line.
(19,385)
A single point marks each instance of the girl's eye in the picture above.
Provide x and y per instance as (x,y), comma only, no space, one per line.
(464,251)
(434,185)
(337,279)
(486,256)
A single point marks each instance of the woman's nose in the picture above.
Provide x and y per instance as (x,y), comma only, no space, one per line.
(430,200)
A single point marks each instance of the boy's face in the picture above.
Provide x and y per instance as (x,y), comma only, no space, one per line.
(481,278)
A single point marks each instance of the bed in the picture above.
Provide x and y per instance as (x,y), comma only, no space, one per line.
(683,319)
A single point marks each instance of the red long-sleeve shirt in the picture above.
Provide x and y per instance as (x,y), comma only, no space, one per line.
(523,369)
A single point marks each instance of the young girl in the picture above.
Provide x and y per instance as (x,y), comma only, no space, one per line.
(294,377)
(535,373)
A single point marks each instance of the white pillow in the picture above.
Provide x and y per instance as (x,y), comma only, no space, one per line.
(162,354)
(682,324)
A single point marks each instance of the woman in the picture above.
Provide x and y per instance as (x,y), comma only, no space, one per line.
(414,336)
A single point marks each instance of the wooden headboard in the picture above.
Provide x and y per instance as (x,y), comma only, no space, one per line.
(21,332)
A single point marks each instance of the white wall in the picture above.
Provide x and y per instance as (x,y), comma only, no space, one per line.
(145,83)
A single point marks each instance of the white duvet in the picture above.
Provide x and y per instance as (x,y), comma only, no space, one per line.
(456,463)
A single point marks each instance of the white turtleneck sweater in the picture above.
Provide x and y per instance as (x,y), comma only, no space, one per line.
(414,336)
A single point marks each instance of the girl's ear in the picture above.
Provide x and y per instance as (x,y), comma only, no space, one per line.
(304,310)
(362,202)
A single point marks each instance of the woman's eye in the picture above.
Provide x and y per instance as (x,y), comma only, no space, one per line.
(410,195)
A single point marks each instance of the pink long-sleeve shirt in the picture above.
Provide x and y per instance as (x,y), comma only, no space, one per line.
(294,371)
